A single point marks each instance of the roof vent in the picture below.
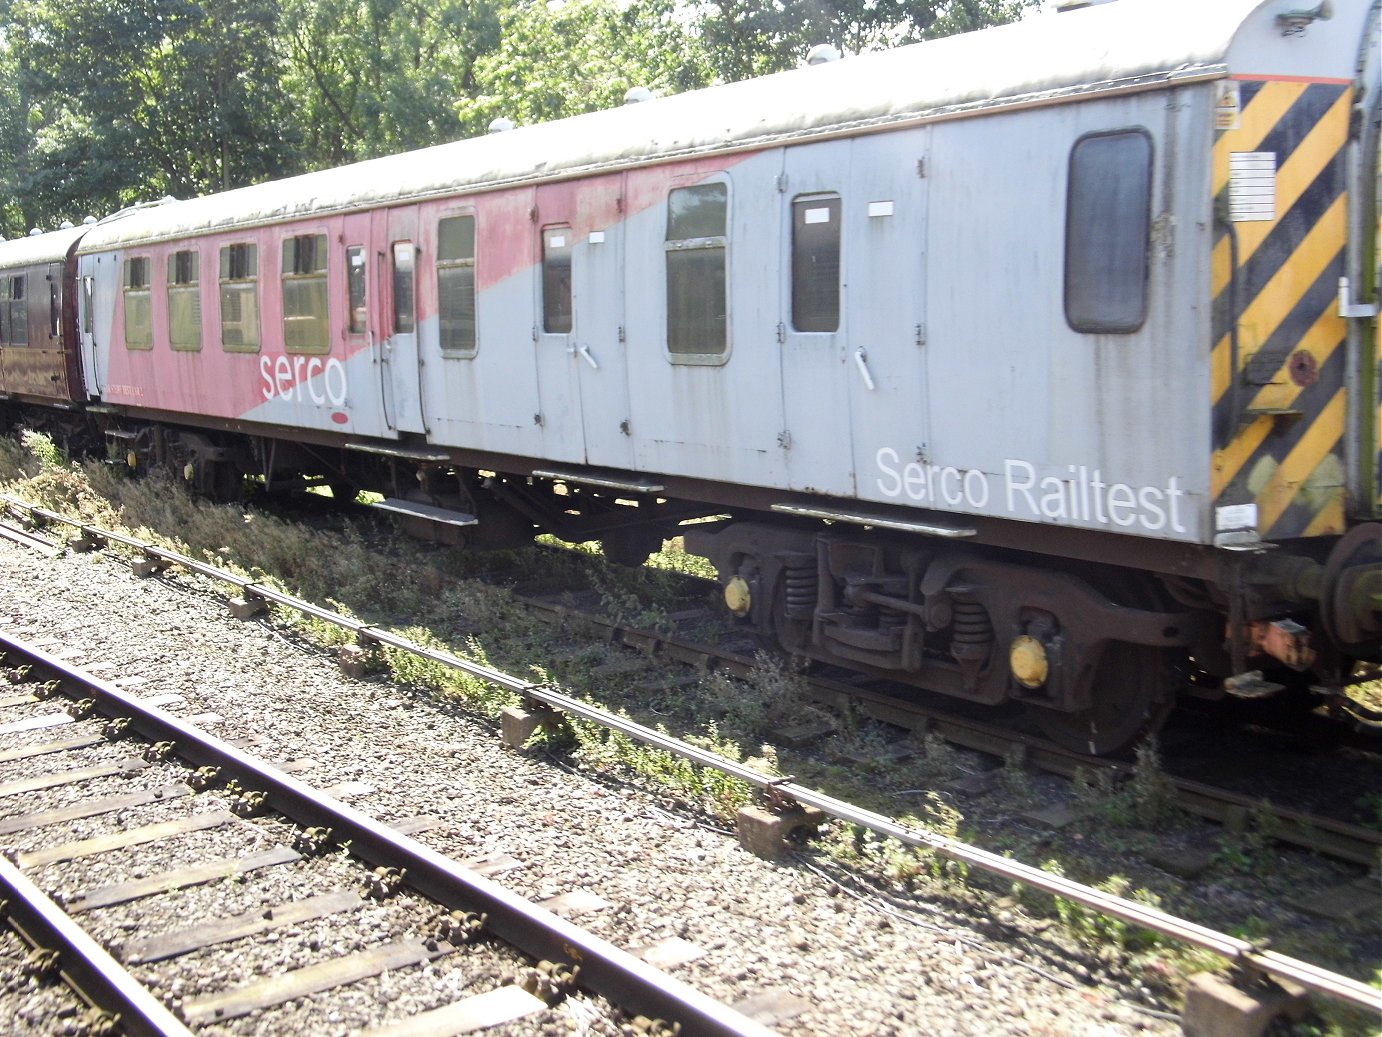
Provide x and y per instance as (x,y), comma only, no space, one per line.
(1294,23)
(90,221)
(66,225)
(501,125)
(637,95)
(35,232)
(822,54)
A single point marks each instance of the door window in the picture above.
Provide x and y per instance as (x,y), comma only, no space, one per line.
(556,280)
(816,263)
(355,290)
(404,262)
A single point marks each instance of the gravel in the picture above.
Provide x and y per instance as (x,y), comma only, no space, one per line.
(852,960)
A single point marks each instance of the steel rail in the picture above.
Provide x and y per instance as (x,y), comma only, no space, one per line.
(83,963)
(24,538)
(1239,952)
(615,974)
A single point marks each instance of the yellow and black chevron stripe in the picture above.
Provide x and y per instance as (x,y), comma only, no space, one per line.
(1279,419)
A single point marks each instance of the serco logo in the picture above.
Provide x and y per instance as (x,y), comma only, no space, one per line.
(299,379)
(1081,495)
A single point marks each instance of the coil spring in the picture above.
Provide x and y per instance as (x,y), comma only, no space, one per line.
(972,626)
(891,618)
(800,589)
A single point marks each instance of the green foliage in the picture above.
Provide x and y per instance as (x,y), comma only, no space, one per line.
(105,104)
(375,78)
(428,675)
(1244,848)
(606,48)
(123,103)
(1094,929)
(944,820)
(1153,793)
(42,449)
(747,38)
(902,863)
(673,558)
(721,795)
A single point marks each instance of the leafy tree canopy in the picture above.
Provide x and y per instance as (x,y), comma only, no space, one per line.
(105,103)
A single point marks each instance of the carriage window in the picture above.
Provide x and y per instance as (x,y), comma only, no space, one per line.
(697,302)
(139,307)
(456,285)
(185,300)
(14,312)
(305,314)
(88,317)
(404,260)
(1107,234)
(55,303)
(556,280)
(816,263)
(239,286)
(355,290)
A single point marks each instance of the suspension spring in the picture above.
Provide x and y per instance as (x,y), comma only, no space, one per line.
(972,629)
(800,586)
(891,619)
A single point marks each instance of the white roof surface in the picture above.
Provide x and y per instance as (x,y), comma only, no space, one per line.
(38,248)
(1105,47)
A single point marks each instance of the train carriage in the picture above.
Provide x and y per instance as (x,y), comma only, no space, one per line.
(38,356)
(1036,364)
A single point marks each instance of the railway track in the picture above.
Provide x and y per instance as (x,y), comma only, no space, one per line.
(1336,838)
(785,793)
(183,809)
(1344,841)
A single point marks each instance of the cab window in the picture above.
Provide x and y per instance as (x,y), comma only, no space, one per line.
(1108,232)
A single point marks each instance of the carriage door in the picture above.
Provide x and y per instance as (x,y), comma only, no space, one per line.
(61,365)
(396,279)
(555,329)
(815,343)
(598,279)
(886,238)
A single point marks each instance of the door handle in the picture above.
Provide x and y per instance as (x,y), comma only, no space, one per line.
(585,354)
(861,359)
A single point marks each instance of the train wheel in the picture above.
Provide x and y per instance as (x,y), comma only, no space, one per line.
(1134,690)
